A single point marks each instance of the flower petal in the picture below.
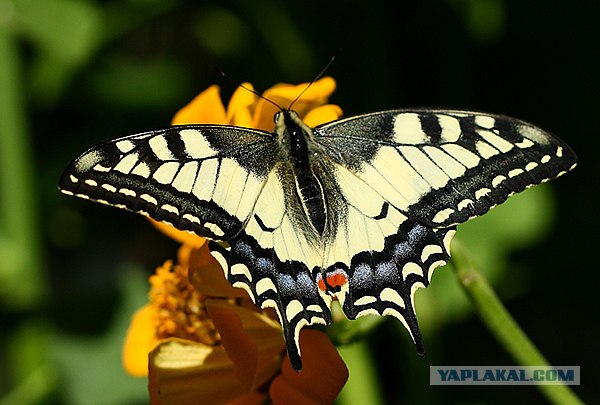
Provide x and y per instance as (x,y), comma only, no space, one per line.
(322,114)
(184,237)
(322,377)
(253,341)
(139,341)
(207,276)
(241,105)
(205,108)
(186,372)
(283,94)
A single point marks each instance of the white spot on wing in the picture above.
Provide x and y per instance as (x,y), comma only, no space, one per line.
(525,143)
(191,218)
(142,170)
(450,128)
(231,176)
(214,228)
(166,172)
(485,121)
(196,145)
(365,300)
(408,129)
(127,163)
(391,295)
(100,168)
(466,203)
(430,250)
(485,149)
(246,287)
(442,215)
(248,196)
(184,181)
(411,268)
(530,166)
(149,198)
(293,308)
(170,208)
(241,269)
(499,143)
(159,146)
(434,266)
(448,240)
(365,312)
(125,145)
(314,308)
(464,156)
(497,180)
(127,192)
(222,262)
(206,180)
(515,172)
(264,285)
(482,192)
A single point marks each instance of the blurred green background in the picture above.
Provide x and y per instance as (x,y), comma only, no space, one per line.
(75,72)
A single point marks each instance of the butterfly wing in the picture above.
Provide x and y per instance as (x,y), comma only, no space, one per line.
(379,257)
(442,167)
(224,183)
(273,260)
(200,178)
(407,177)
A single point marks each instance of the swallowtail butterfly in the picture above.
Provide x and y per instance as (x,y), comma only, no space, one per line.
(361,209)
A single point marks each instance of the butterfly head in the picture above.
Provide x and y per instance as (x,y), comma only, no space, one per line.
(293,133)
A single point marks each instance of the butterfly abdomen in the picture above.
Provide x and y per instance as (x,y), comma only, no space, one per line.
(295,137)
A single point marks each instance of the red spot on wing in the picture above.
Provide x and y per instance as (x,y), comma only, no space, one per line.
(336,280)
(333,281)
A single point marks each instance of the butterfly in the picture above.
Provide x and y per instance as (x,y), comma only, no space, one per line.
(362,209)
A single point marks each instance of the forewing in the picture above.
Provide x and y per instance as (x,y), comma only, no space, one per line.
(442,167)
(199,178)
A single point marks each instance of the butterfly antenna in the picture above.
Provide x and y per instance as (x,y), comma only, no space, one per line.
(256,93)
(317,77)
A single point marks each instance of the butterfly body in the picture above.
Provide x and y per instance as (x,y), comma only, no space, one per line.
(361,210)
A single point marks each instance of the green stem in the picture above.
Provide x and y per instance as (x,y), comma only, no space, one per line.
(501,324)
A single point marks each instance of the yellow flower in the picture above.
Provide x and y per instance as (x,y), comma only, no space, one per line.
(202,341)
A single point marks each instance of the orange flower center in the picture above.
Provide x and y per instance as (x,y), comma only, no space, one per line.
(180,308)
